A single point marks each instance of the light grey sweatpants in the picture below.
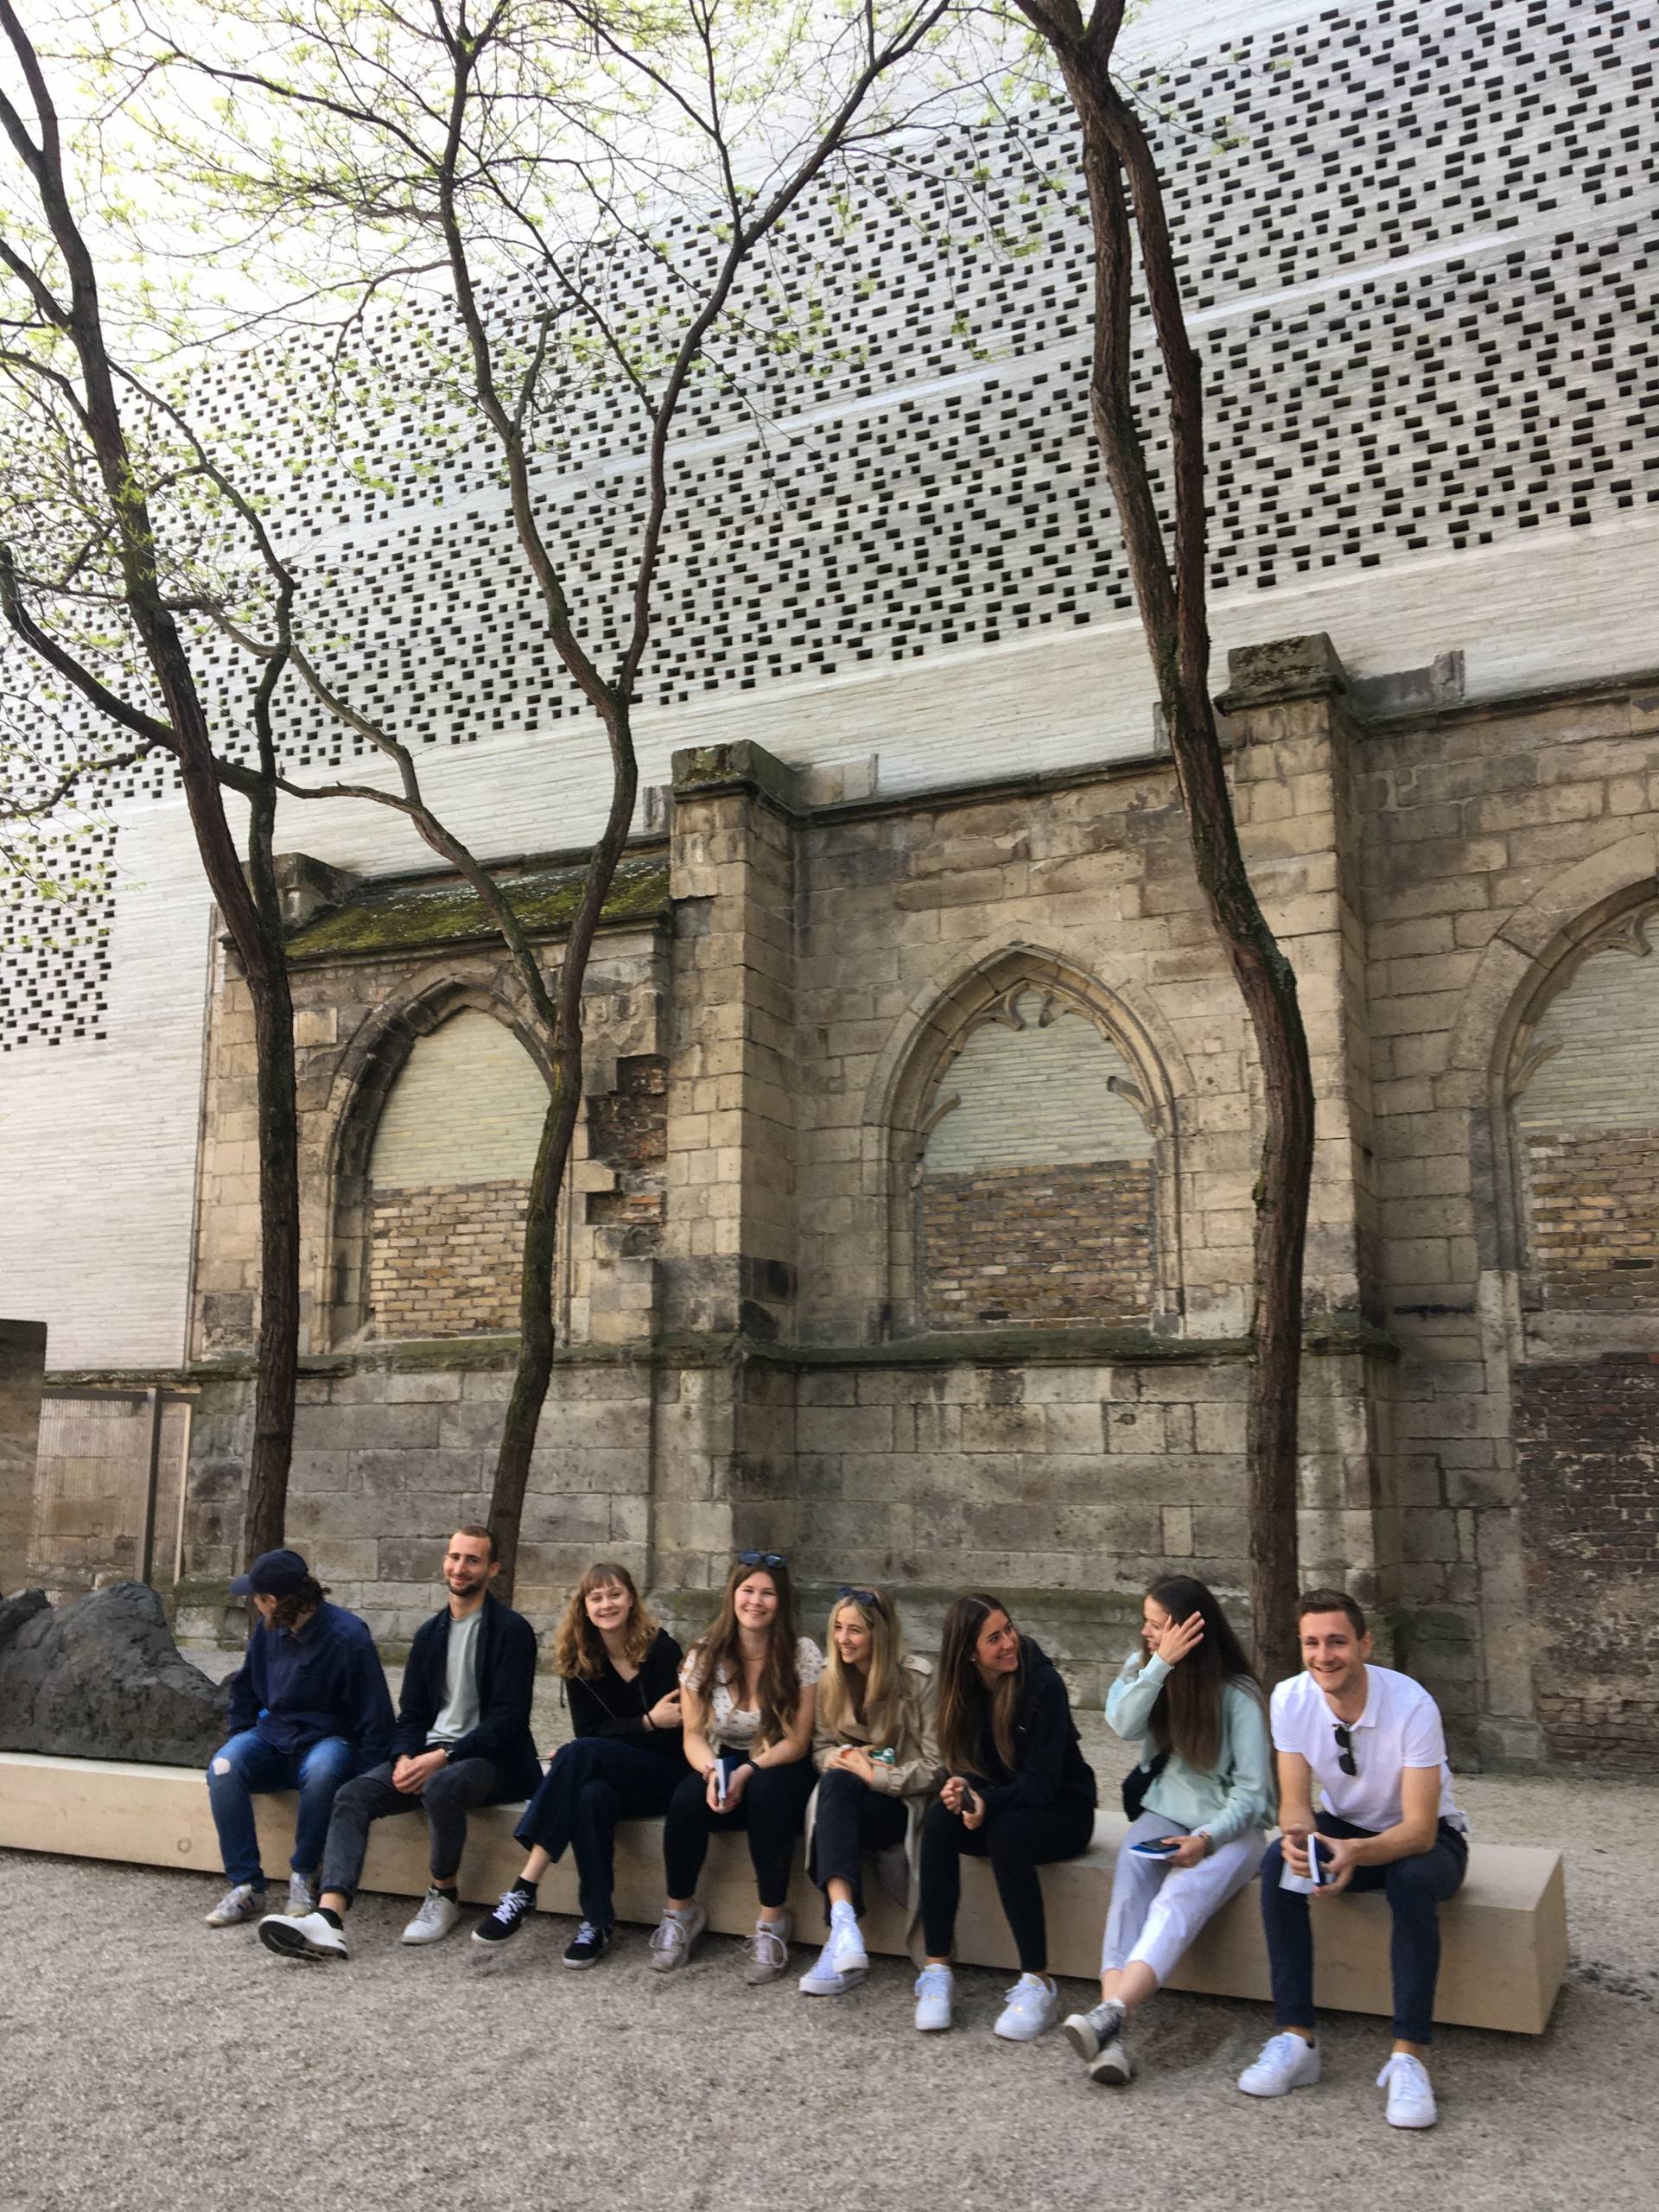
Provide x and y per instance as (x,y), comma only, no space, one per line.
(1157,1908)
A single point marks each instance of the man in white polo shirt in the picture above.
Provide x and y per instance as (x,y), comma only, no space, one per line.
(1372,1740)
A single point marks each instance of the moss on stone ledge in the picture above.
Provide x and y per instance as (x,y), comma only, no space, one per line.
(406,915)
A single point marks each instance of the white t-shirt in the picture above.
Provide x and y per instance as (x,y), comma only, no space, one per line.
(1400,1727)
(458,1716)
(735,1727)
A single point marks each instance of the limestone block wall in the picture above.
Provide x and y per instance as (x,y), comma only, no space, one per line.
(22,1362)
(421,1106)
(1496,843)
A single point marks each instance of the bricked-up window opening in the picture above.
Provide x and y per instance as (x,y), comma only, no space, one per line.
(1586,1125)
(1037,1193)
(449,1181)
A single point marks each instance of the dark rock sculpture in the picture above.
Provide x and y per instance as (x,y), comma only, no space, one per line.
(103,1679)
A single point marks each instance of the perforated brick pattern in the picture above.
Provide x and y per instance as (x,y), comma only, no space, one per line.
(1418,248)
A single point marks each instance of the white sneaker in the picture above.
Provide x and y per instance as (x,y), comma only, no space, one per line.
(1411,2097)
(1285,2063)
(437,1916)
(301,1895)
(302,1935)
(241,1902)
(1030,2010)
(841,1964)
(934,1986)
(676,1936)
(768,1951)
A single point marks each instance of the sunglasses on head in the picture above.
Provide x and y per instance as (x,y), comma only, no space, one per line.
(858,1597)
(1345,1758)
(762,1559)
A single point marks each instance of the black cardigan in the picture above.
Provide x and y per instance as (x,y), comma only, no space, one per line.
(1049,1765)
(606,1705)
(507,1681)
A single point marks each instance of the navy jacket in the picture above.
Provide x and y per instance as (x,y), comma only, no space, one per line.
(506,1681)
(327,1680)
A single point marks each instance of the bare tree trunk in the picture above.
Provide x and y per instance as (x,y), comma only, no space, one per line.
(1124,191)
(276,1360)
(533,1372)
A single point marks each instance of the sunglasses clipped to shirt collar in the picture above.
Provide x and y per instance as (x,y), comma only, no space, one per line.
(1345,1758)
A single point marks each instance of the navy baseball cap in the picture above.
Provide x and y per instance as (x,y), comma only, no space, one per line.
(273,1574)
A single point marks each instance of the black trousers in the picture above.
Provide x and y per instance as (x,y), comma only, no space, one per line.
(852,1819)
(1017,1842)
(446,1801)
(771,1811)
(594,1783)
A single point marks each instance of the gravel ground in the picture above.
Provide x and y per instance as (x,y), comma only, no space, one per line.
(150,2061)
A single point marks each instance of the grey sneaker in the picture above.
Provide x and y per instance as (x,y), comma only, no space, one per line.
(302,1935)
(437,1916)
(301,1895)
(243,1902)
(675,1936)
(767,1951)
(1098,2038)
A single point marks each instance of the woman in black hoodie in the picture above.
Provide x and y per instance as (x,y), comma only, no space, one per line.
(622,1677)
(1019,1792)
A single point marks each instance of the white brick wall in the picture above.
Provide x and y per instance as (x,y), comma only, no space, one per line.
(1035,1097)
(468,1108)
(1604,1072)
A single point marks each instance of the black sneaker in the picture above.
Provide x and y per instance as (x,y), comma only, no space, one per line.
(508,1917)
(588,1945)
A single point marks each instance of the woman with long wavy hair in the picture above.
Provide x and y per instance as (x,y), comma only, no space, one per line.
(1018,1791)
(749,1689)
(1189,1693)
(621,1677)
(878,1763)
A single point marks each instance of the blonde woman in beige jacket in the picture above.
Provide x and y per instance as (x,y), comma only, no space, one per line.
(878,1767)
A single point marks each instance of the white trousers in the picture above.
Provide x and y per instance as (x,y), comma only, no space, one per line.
(1158,1909)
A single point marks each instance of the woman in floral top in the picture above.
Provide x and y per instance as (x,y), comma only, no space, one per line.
(749,1694)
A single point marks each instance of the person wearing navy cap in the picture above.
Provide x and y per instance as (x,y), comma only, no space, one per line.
(309,1708)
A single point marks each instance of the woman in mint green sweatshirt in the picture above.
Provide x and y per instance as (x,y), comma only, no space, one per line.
(1191,1697)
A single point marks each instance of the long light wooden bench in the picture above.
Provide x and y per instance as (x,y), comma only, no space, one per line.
(1504,1936)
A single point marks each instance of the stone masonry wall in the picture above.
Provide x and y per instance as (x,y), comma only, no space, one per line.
(22,1361)
(1038,1244)
(1587,1436)
(1495,841)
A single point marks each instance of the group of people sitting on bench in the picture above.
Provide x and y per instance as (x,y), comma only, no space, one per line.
(882,1761)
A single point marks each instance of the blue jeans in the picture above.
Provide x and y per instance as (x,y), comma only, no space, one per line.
(1416,1888)
(251,1766)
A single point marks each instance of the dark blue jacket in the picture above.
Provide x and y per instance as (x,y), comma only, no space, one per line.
(507,1681)
(327,1681)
